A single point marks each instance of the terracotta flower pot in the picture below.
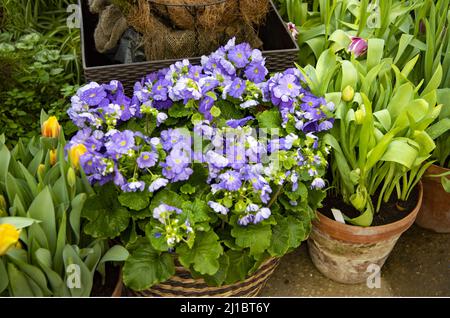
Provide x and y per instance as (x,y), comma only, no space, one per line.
(344,252)
(435,212)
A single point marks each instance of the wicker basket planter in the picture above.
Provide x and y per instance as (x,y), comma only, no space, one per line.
(280,50)
(183,285)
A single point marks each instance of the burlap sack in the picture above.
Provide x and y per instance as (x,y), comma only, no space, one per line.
(112,24)
(97,6)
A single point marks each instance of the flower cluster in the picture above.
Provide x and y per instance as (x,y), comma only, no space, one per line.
(245,171)
(96,106)
(233,71)
(235,161)
(171,228)
(296,103)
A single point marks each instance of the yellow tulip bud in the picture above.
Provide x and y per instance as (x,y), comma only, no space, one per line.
(41,170)
(348,94)
(75,153)
(53,158)
(71,177)
(51,127)
(360,114)
(9,236)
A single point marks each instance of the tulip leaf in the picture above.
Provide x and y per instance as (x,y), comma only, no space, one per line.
(18,222)
(42,209)
(75,215)
(401,98)
(374,52)
(77,273)
(4,282)
(402,151)
(19,283)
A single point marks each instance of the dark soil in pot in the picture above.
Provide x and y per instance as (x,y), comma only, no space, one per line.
(112,277)
(389,213)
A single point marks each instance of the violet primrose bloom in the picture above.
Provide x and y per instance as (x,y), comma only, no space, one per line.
(121,142)
(158,184)
(240,55)
(93,96)
(219,208)
(235,123)
(133,186)
(147,160)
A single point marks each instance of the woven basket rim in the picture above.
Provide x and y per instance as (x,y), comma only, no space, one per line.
(248,286)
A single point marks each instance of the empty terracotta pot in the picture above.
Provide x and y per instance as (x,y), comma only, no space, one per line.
(345,253)
(435,212)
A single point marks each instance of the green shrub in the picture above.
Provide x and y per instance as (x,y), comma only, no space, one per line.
(34,78)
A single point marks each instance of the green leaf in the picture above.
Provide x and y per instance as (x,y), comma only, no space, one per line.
(374,52)
(146,267)
(297,232)
(20,286)
(204,255)
(117,253)
(198,211)
(187,189)
(179,110)
(135,200)
(5,157)
(279,244)
(241,262)
(107,217)
(215,111)
(219,277)
(75,215)
(18,222)
(256,237)
(158,242)
(57,284)
(167,197)
(269,119)
(32,272)
(80,272)
(42,209)
(4,282)
(106,223)
(402,151)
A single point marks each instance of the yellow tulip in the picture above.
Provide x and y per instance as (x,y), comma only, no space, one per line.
(348,94)
(9,236)
(75,153)
(52,157)
(51,127)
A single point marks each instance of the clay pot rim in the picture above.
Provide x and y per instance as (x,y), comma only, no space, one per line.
(435,169)
(372,234)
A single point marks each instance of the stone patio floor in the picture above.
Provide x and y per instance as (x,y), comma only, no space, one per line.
(418,266)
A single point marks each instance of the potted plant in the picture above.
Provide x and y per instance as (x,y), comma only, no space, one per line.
(43,251)
(435,211)
(380,151)
(205,204)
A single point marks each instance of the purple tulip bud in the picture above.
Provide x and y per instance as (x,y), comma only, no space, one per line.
(358,46)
